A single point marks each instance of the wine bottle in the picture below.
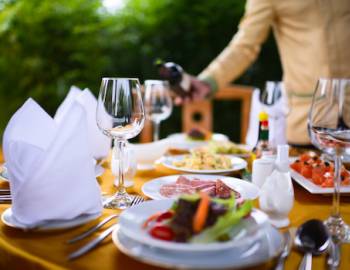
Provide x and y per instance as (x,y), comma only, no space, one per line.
(179,80)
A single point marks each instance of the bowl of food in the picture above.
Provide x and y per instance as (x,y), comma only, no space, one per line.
(147,153)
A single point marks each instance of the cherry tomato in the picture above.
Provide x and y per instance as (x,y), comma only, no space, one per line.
(318,174)
(162,232)
(328,180)
(165,215)
(296,165)
(306,170)
(304,157)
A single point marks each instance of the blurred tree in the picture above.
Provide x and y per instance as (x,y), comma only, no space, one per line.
(48,45)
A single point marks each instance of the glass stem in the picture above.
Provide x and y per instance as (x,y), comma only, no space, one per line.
(156,125)
(119,147)
(337,180)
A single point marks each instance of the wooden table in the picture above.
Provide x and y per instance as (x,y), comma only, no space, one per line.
(23,250)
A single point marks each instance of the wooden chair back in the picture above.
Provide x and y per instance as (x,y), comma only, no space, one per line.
(200,114)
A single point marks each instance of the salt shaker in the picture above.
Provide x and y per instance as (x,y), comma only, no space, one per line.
(277,194)
(262,168)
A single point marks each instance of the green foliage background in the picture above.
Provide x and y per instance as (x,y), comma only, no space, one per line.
(48,45)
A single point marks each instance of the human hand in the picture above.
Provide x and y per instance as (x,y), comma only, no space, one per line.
(198,90)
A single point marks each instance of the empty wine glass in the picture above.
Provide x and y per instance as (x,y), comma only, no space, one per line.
(120,115)
(329,126)
(158,103)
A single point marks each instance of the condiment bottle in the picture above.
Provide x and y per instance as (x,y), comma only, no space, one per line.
(277,193)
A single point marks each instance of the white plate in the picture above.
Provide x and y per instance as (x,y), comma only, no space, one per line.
(8,219)
(264,249)
(132,219)
(181,140)
(247,190)
(3,174)
(237,164)
(313,188)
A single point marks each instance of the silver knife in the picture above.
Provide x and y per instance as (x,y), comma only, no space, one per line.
(92,244)
(92,229)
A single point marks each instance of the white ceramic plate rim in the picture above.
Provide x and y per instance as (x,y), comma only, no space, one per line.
(163,205)
(313,188)
(8,220)
(237,164)
(3,174)
(137,254)
(183,136)
(152,187)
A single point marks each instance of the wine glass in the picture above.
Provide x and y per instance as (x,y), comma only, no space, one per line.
(158,103)
(120,115)
(329,128)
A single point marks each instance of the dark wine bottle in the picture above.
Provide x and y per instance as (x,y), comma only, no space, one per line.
(179,80)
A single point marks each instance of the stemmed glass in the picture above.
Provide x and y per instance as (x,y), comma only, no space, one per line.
(158,103)
(120,115)
(329,128)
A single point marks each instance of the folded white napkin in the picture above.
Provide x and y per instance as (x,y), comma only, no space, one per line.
(277,119)
(49,165)
(99,143)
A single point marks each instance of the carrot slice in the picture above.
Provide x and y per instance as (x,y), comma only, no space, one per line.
(201,214)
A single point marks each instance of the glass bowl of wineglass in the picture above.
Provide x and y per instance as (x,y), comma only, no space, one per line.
(158,103)
(329,128)
(120,115)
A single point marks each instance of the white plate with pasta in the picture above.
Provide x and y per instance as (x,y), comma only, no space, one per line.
(223,165)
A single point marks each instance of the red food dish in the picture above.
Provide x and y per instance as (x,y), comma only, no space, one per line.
(320,172)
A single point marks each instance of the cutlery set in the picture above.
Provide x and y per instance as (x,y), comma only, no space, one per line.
(5,196)
(311,238)
(93,243)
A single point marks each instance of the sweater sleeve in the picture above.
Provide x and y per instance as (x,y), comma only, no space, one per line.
(244,46)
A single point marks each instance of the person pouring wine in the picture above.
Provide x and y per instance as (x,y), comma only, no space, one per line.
(312,38)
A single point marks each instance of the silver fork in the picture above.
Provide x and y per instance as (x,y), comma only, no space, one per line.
(93,243)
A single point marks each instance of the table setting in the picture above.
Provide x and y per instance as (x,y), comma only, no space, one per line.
(76,194)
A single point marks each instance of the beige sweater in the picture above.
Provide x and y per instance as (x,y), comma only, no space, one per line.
(313,38)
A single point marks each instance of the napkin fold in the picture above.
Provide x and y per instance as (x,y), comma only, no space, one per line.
(98,143)
(49,165)
(277,119)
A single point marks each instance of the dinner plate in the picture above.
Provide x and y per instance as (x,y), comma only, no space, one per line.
(3,173)
(266,248)
(132,219)
(237,164)
(8,219)
(247,190)
(313,188)
(181,140)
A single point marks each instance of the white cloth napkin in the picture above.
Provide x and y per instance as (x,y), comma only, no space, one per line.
(49,164)
(277,119)
(99,143)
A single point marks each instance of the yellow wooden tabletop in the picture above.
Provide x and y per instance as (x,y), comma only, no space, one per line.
(48,250)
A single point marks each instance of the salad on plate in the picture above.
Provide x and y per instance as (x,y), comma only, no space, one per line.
(198,218)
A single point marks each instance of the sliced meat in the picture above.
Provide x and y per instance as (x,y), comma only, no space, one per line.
(182,180)
(173,190)
(223,191)
(197,182)
(204,186)
(211,191)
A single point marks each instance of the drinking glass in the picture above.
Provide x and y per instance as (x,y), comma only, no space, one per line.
(120,115)
(329,128)
(158,103)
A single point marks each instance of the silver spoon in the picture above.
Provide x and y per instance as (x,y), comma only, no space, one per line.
(313,239)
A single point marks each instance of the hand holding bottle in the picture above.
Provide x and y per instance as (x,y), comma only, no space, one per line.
(186,87)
